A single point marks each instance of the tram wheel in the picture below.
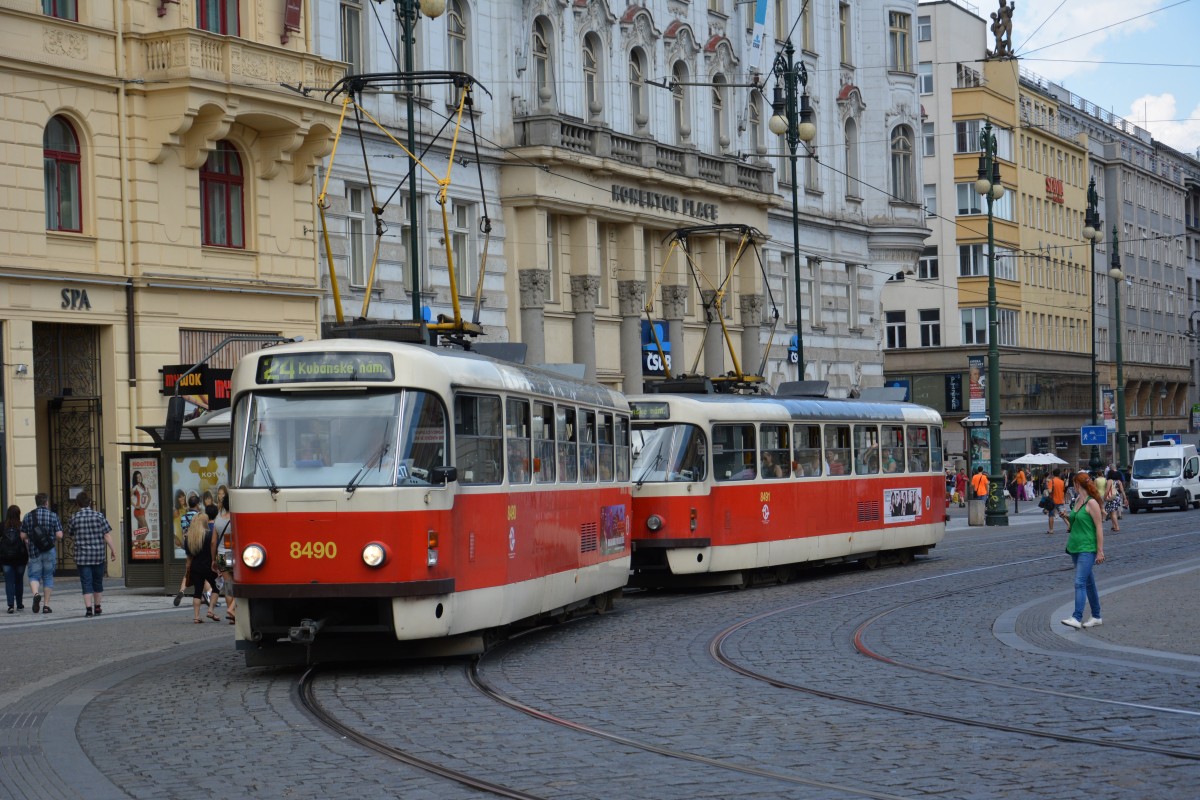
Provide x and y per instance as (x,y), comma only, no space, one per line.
(906,556)
(871,562)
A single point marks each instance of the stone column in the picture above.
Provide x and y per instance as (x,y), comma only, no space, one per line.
(714,342)
(674,300)
(631,298)
(534,283)
(585,293)
(752,306)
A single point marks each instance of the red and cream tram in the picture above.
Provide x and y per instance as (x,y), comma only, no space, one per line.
(385,493)
(731,488)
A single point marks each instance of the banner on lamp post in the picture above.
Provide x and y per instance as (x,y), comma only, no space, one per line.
(977,406)
(1108,403)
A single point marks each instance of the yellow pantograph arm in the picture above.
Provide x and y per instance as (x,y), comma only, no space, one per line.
(396,142)
(333,153)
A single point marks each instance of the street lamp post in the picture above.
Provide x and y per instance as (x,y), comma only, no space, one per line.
(1117,276)
(794,120)
(407,13)
(988,185)
(1093,233)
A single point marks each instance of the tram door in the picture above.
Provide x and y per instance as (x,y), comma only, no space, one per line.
(67,394)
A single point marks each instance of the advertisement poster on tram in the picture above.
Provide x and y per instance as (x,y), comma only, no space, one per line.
(612,529)
(144,512)
(205,477)
(901,505)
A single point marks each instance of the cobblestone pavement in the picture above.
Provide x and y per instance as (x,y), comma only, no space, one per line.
(141,703)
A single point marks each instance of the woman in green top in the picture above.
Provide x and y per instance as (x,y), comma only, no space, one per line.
(1085,544)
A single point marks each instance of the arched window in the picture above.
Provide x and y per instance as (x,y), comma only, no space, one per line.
(592,91)
(902,165)
(219,16)
(456,32)
(720,90)
(682,103)
(543,63)
(61,161)
(852,187)
(637,87)
(756,128)
(222,198)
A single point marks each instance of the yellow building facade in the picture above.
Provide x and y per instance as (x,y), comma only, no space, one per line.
(158,199)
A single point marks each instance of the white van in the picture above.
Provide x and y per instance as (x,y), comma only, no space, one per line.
(1164,474)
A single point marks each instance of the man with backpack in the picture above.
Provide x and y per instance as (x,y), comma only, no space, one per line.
(42,529)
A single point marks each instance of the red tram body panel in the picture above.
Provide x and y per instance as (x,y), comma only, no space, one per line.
(713,503)
(386,493)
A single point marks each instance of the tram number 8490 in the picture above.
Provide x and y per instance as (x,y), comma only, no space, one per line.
(314,550)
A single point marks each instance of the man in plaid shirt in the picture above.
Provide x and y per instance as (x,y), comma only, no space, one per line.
(92,534)
(41,562)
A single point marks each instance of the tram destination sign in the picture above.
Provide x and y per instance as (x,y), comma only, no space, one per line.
(650,411)
(325,367)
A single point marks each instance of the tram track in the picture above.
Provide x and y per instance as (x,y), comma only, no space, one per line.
(716,651)
(306,695)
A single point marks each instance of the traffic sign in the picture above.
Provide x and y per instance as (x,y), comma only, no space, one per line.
(1093,435)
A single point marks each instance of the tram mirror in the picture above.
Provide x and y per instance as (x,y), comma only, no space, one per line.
(444,475)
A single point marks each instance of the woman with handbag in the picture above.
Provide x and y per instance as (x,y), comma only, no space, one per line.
(1114,499)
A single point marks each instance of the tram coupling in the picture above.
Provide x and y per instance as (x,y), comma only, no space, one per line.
(306,632)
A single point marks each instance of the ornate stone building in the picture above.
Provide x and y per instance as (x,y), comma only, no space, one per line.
(158,198)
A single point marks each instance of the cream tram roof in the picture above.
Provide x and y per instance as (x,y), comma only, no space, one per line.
(443,369)
(737,408)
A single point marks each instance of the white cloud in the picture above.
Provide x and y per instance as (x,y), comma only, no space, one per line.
(1159,114)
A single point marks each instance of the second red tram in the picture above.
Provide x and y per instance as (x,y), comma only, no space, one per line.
(728,488)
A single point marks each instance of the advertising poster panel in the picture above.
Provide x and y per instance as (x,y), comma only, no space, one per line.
(145,539)
(202,476)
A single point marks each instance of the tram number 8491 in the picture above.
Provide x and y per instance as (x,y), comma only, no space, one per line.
(314,550)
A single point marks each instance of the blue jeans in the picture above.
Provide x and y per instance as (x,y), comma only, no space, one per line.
(1085,584)
(14,584)
(41,567)
(91,578)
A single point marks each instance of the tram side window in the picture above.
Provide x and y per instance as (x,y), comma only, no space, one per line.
(543,442)
(892,448)
(776,452)
(622,448)
(918,448)
(587,446)
(568,454)
(478,439)
(935,450)
(807,440)
(604,430)
(734,458)
(516,433)
(837,449)
(866,450)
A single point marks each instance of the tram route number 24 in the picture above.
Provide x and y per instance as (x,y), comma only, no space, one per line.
(314,550)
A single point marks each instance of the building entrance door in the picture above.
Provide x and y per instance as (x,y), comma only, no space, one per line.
(67,388)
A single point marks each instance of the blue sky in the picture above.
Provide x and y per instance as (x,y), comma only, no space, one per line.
(1164,98)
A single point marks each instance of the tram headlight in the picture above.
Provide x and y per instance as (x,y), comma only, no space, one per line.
(253,556)
(373,555)
(654,522)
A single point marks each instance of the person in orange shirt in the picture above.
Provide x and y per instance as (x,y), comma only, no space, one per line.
(1058,496)
(979,482)
(1021,481)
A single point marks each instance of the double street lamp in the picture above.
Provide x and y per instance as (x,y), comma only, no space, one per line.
(1117,276)
(1093,233)
(989,187)
(793,116)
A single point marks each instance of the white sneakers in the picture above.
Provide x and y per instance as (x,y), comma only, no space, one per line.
(1093,622)
(1071,622)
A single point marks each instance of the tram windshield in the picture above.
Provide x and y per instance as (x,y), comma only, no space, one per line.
(341,439)
(669,453)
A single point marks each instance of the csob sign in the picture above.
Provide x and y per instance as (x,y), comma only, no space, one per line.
(652,359)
